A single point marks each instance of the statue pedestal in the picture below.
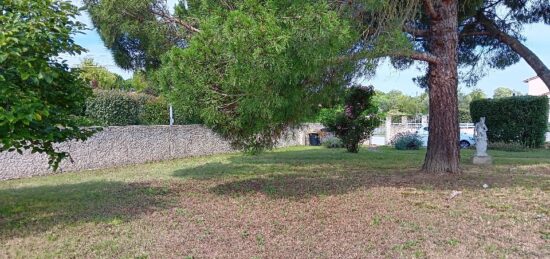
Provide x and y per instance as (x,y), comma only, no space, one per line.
(482,160)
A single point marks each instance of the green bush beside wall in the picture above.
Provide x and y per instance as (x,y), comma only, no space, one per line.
(518,119)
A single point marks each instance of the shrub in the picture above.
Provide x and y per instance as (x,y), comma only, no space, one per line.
(511,147)
(407,141)
(519,119)
(113,108)
(358,119)
(154,112)
(333,142)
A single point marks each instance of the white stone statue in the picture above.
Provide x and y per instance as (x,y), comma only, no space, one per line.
(480,134)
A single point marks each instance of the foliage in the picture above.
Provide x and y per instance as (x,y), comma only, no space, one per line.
(119,108)
(154,111)
(464,101)
(333,142)
(510,146)
(521,119)
(99,77)
(407,141)
(115,108)
(396,103)
(257,68)
(39,94)
(503,92)
(357,121)
(136,37)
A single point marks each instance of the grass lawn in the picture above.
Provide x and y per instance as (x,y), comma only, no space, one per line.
(293,202)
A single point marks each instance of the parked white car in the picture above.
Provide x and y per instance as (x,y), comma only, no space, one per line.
(466,140)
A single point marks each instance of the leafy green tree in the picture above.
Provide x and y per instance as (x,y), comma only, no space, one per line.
(99,77)
(39,94)
(358,119)
(397,103)
(257,67)
(464,101)
(503,92)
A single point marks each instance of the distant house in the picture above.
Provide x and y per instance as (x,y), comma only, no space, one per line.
(537,87)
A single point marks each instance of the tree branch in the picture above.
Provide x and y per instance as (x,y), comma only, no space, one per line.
(419,56)
(430,10)
(160,12)
(415,31)
(529,56)
(474,33)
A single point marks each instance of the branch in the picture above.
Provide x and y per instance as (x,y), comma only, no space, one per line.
(430,10)
(171,19)
(529,56)
(415,31)
(419,56)
(474,33)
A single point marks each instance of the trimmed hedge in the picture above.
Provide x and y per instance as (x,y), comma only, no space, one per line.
(154,112)
(518,119)
(119,108)
(114,108)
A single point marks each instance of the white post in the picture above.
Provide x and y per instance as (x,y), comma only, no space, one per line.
(171,116)
(404,120)
(388,130)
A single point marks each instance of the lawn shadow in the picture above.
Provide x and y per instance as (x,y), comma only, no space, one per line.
(303,186)
(28,210)
(303,174)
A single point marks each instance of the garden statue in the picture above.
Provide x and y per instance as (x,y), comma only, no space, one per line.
(480,133)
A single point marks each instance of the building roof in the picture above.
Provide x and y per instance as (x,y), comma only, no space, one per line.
(530,79)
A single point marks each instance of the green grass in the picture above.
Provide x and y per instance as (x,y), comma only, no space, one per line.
(302,201)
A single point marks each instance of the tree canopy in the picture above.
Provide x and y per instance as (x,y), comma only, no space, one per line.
(258,67)
(39,93)
(503,92)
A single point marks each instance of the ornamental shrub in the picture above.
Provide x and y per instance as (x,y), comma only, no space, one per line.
(407,141)
(333,142)
(358,119)
(519,119)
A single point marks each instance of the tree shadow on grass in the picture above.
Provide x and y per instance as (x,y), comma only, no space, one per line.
(28,210)
(304,186)
(303,174)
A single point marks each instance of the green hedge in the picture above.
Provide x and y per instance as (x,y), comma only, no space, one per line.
(518,119)
(119,108)
(154,112)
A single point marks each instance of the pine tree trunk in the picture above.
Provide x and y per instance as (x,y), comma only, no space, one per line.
(443,153)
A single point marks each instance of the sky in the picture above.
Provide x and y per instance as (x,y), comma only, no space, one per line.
(386,79)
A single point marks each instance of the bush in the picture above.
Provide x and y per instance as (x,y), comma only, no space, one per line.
(511,147)
(407,141)
(113,108)
(518,119)
(154,112)
(357,120)
(333,142)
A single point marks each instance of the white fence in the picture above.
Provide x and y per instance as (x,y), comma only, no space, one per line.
(383,135)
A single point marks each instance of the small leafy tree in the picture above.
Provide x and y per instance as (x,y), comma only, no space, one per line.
(99,77)
(357,121)
(39,94)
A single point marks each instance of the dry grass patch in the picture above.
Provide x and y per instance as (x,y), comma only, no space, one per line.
(297,202)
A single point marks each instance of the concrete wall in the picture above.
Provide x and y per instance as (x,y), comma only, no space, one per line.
(119,146)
